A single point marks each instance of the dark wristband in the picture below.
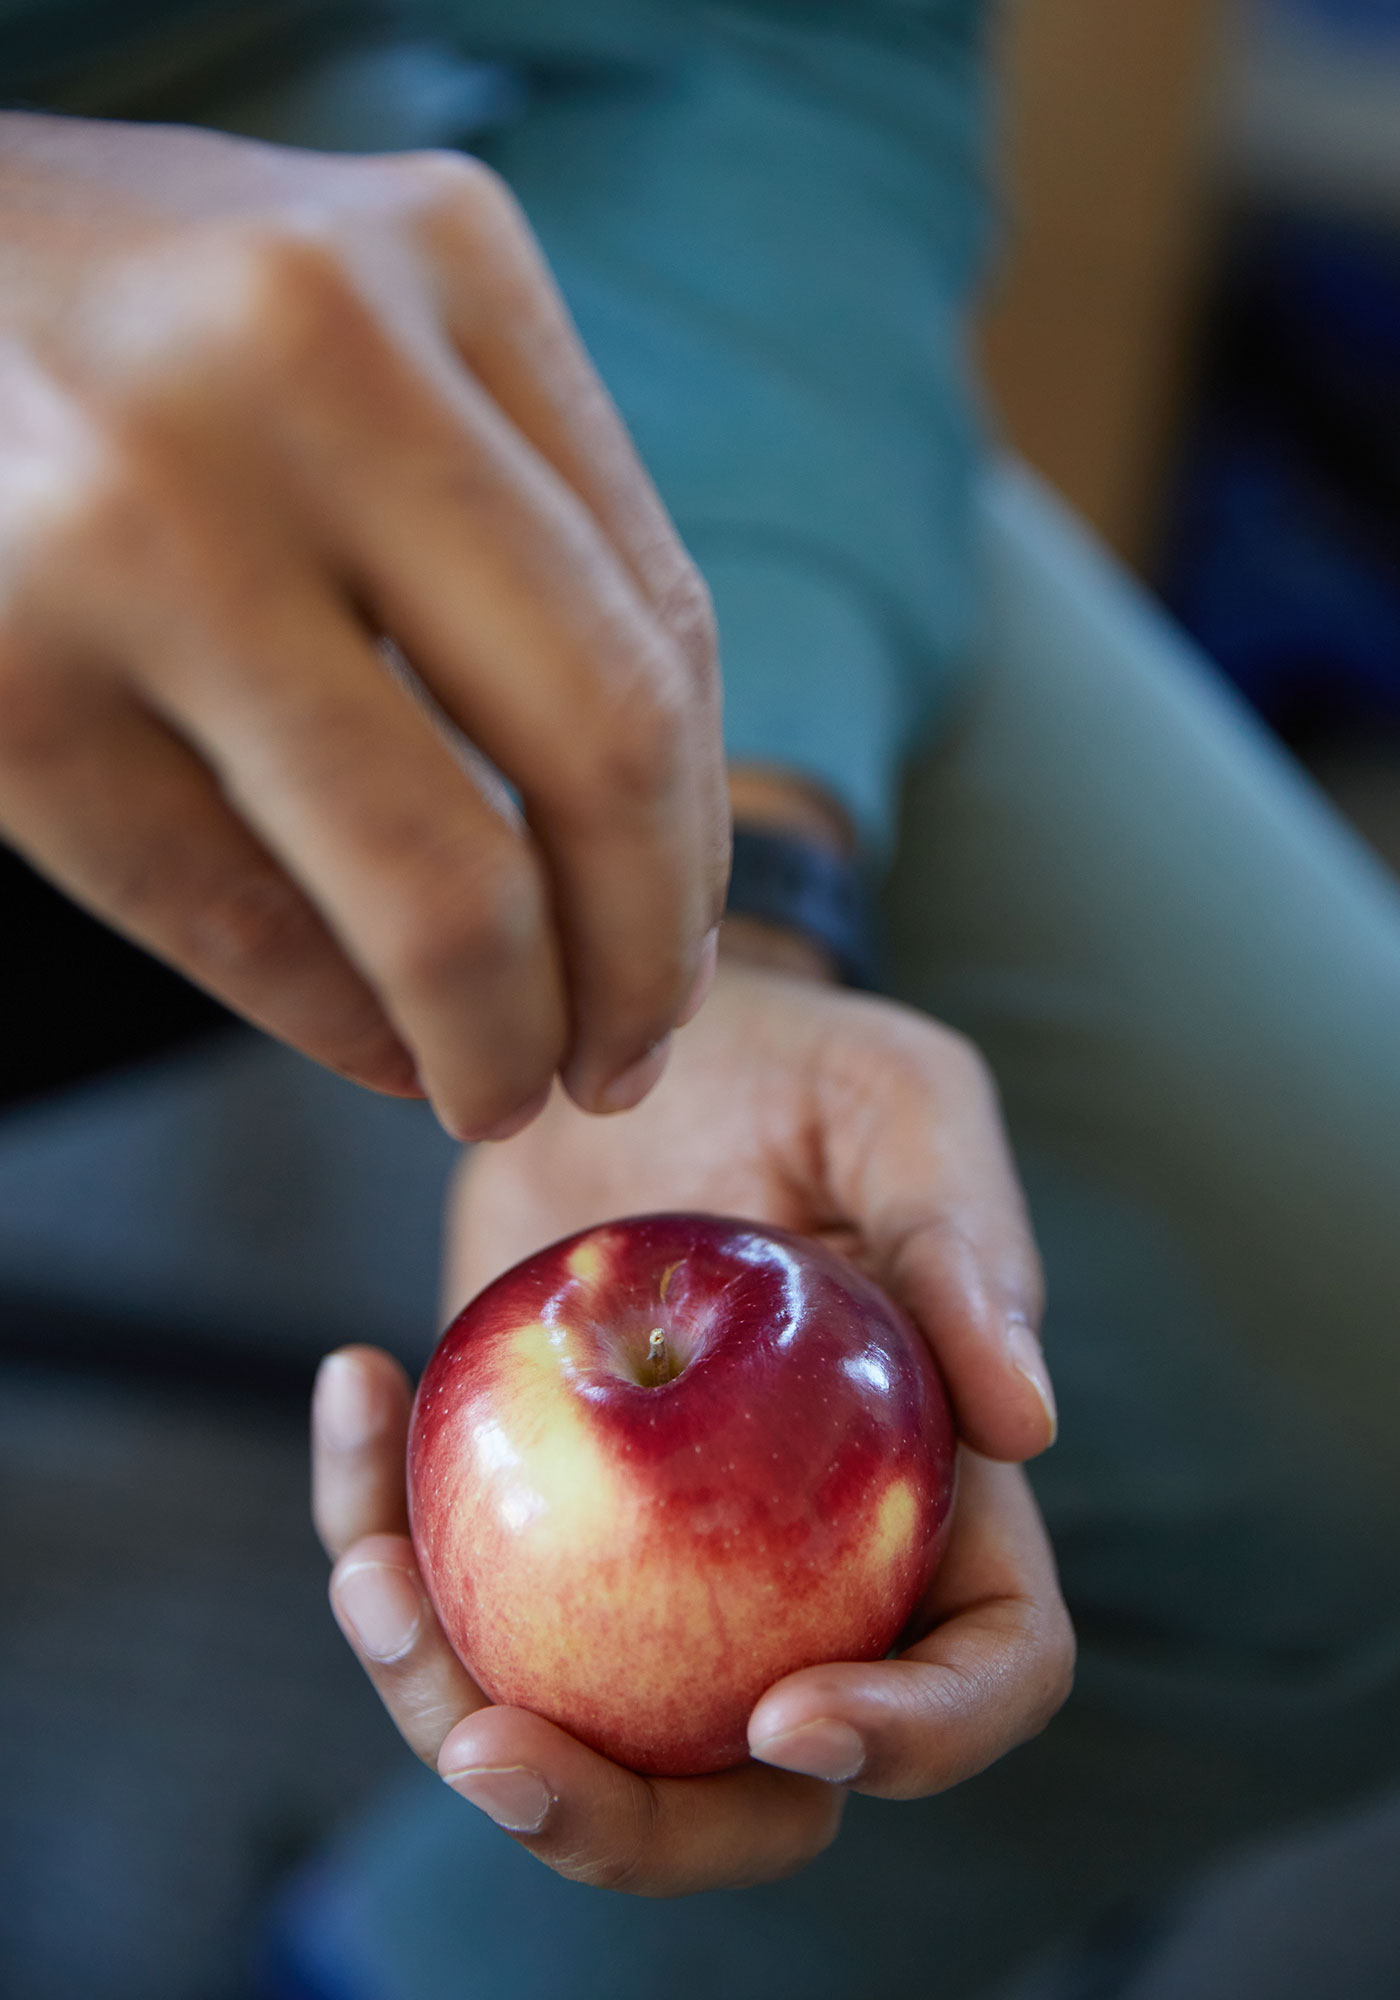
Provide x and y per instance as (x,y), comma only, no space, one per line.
(801,886)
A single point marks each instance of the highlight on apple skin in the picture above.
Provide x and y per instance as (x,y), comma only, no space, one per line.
(664,1462)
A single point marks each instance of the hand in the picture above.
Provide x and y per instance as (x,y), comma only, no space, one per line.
(993,1668)
(261,413)
(840,1116)
(850,1119)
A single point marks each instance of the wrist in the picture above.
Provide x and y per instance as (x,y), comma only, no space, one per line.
(762,795)
(798,902)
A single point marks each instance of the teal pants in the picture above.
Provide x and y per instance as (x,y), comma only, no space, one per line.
(1186,974)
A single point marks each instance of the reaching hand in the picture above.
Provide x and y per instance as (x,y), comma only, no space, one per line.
(262,412)
(844,1117)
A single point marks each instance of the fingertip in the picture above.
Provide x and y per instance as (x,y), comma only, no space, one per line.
(1002,1394)
(344,1410)
(803,1724)
(1018,1431)
(626,1089)
(1027,1357)
(356,1390)
(824,1748)
(469,1130)
(395,1074)
(379,1604)
(507,1128)
(514,1796)
(368,1051)
(496,1739)
(482,1737)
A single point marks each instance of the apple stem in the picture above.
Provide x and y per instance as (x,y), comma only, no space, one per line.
(659,1358)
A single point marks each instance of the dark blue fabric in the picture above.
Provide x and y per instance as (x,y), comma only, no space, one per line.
(1285,554)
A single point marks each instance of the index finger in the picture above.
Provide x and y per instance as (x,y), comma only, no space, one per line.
(514,330)
(510,325)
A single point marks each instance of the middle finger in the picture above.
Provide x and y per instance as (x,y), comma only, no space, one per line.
(492,574)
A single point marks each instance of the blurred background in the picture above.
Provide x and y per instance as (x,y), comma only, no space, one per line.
(1194,332)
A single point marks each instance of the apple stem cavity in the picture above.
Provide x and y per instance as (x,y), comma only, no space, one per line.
(660,1365)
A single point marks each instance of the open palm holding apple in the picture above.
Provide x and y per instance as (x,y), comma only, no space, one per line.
(855,1122)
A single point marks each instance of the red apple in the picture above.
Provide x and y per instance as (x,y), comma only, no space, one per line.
(663,1463)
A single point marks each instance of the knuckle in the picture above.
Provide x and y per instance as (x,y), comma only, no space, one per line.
(460,181)
(102,514)
(232,308)
(58,455)
(686,610)
(466,917)
(463,202)
(475,202)
(288,265)
(281,295)
(628,1865)
(631,763)
(259,931)
(620,1871)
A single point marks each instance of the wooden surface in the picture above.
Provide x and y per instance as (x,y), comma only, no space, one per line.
(1105,111)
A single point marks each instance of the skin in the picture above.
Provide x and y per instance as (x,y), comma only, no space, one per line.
(994,1666)
(261,412)
(309,504)
(866,1125)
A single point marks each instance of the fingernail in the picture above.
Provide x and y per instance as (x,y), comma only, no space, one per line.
(342,1405)
(516,1798)
(704,979)
(634,1082)
(382,1608)
(1028,1360)
(825,1749)
(508,1127)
